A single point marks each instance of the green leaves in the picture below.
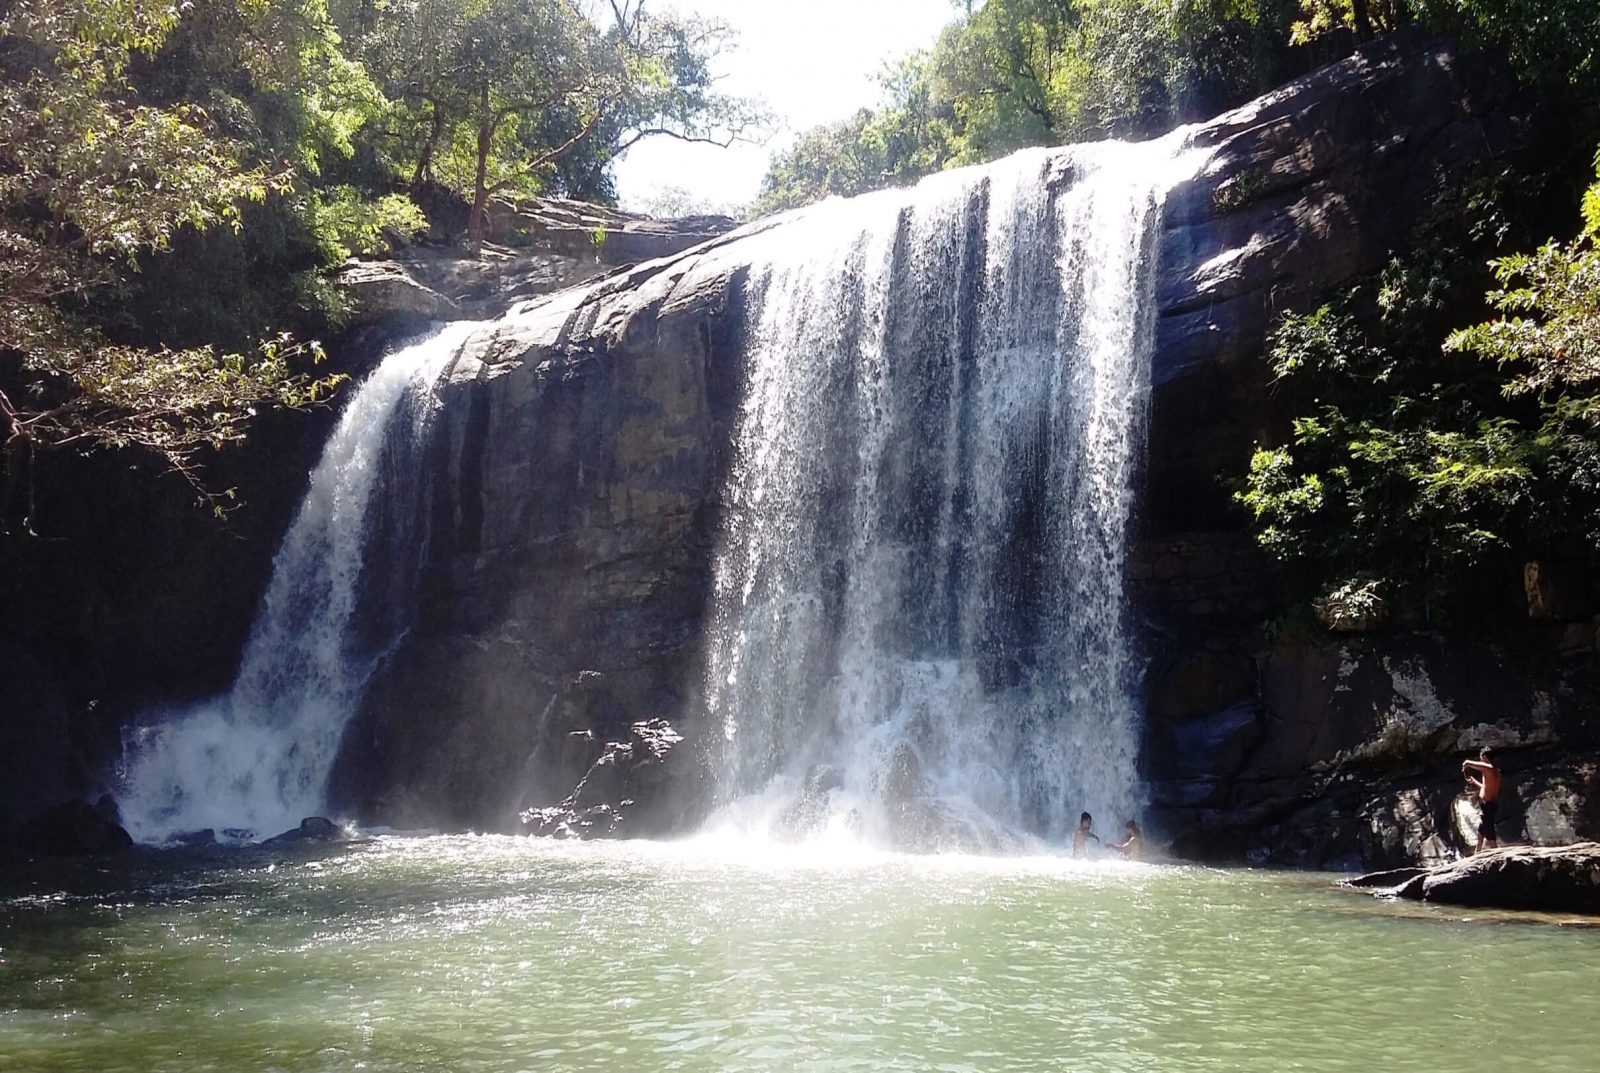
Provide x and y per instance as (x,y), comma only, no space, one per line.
(93,179)
(347,223)
(1547,339)
(1418,464)
(1015,73)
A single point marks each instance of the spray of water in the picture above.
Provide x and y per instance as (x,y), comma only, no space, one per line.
(258,758)
(918,634)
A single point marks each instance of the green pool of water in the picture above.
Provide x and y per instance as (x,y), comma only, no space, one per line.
(491,954)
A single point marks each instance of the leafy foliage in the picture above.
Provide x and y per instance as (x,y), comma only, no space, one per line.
(1015,73)
(347,223)
(89,179)
(498,95)
(1548,337)
(175,179)
(1415,463)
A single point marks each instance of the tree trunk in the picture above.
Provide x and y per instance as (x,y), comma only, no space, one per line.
(1363,20)
(425,158)
(478,222)
(15,477)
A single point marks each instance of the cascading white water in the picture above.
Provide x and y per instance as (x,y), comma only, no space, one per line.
(918,635)
(259,757)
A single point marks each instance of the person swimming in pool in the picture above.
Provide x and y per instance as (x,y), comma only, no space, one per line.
(1080,837)
(1132,844)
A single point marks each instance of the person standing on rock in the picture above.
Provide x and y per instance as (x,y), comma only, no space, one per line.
(1484,778)
(1080,837)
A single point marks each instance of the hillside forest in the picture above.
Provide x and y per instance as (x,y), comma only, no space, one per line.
(178,180)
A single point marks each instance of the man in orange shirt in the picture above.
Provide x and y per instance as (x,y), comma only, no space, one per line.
(1484,778)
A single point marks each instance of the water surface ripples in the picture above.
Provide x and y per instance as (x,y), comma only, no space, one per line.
(487,954)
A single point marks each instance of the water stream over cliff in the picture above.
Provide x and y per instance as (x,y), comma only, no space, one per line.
(342,583)
(918,631)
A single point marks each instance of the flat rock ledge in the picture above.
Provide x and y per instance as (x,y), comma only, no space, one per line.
(1554,879)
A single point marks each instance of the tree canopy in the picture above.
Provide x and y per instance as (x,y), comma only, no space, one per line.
(175,179)
(1012,73)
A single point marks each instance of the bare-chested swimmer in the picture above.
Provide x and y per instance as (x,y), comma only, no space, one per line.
(1484,778)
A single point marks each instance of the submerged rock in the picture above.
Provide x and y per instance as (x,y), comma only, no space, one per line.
(311,829)
(1561,879)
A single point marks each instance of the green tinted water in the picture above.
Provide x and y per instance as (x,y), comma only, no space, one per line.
(487,954)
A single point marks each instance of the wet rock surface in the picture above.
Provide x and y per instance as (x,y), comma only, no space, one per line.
(1559,879)
(311,829)
(585,437)
(74,828)
(1354,760)
(624,792)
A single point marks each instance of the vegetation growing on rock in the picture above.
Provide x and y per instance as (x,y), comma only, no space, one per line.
(1438,459)
(176,179)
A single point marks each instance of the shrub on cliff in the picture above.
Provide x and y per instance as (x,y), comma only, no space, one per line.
(93,176)
(1417,463)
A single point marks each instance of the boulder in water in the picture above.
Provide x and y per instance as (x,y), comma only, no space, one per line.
(1559,879)
(75,828)
(205,836)
(311,829)
(627,772)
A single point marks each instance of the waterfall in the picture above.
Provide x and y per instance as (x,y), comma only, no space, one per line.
(258,758)
(918,635)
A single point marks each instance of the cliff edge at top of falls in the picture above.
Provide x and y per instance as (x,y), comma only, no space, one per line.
(534,246)
(585,439)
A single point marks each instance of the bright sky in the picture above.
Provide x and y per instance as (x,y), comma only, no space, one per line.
(812,61)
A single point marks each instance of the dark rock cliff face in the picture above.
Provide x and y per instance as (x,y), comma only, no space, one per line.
(581,447)
(1321,750)
(585,438)
(130,597)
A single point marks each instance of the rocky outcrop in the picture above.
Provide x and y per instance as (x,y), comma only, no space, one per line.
(584,439)
(536,246)
(1316,183)
(312,829)
(628,790)
(75,828)
(1556,879)
(577,229)
(386,290)
(1346,755)
(1307,187)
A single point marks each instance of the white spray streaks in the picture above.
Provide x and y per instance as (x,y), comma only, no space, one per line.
(259,757)
(918,631)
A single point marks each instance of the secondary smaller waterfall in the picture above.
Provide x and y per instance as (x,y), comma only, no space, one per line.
(259,757)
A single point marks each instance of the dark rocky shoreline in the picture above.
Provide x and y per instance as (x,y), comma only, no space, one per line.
(1556,879)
